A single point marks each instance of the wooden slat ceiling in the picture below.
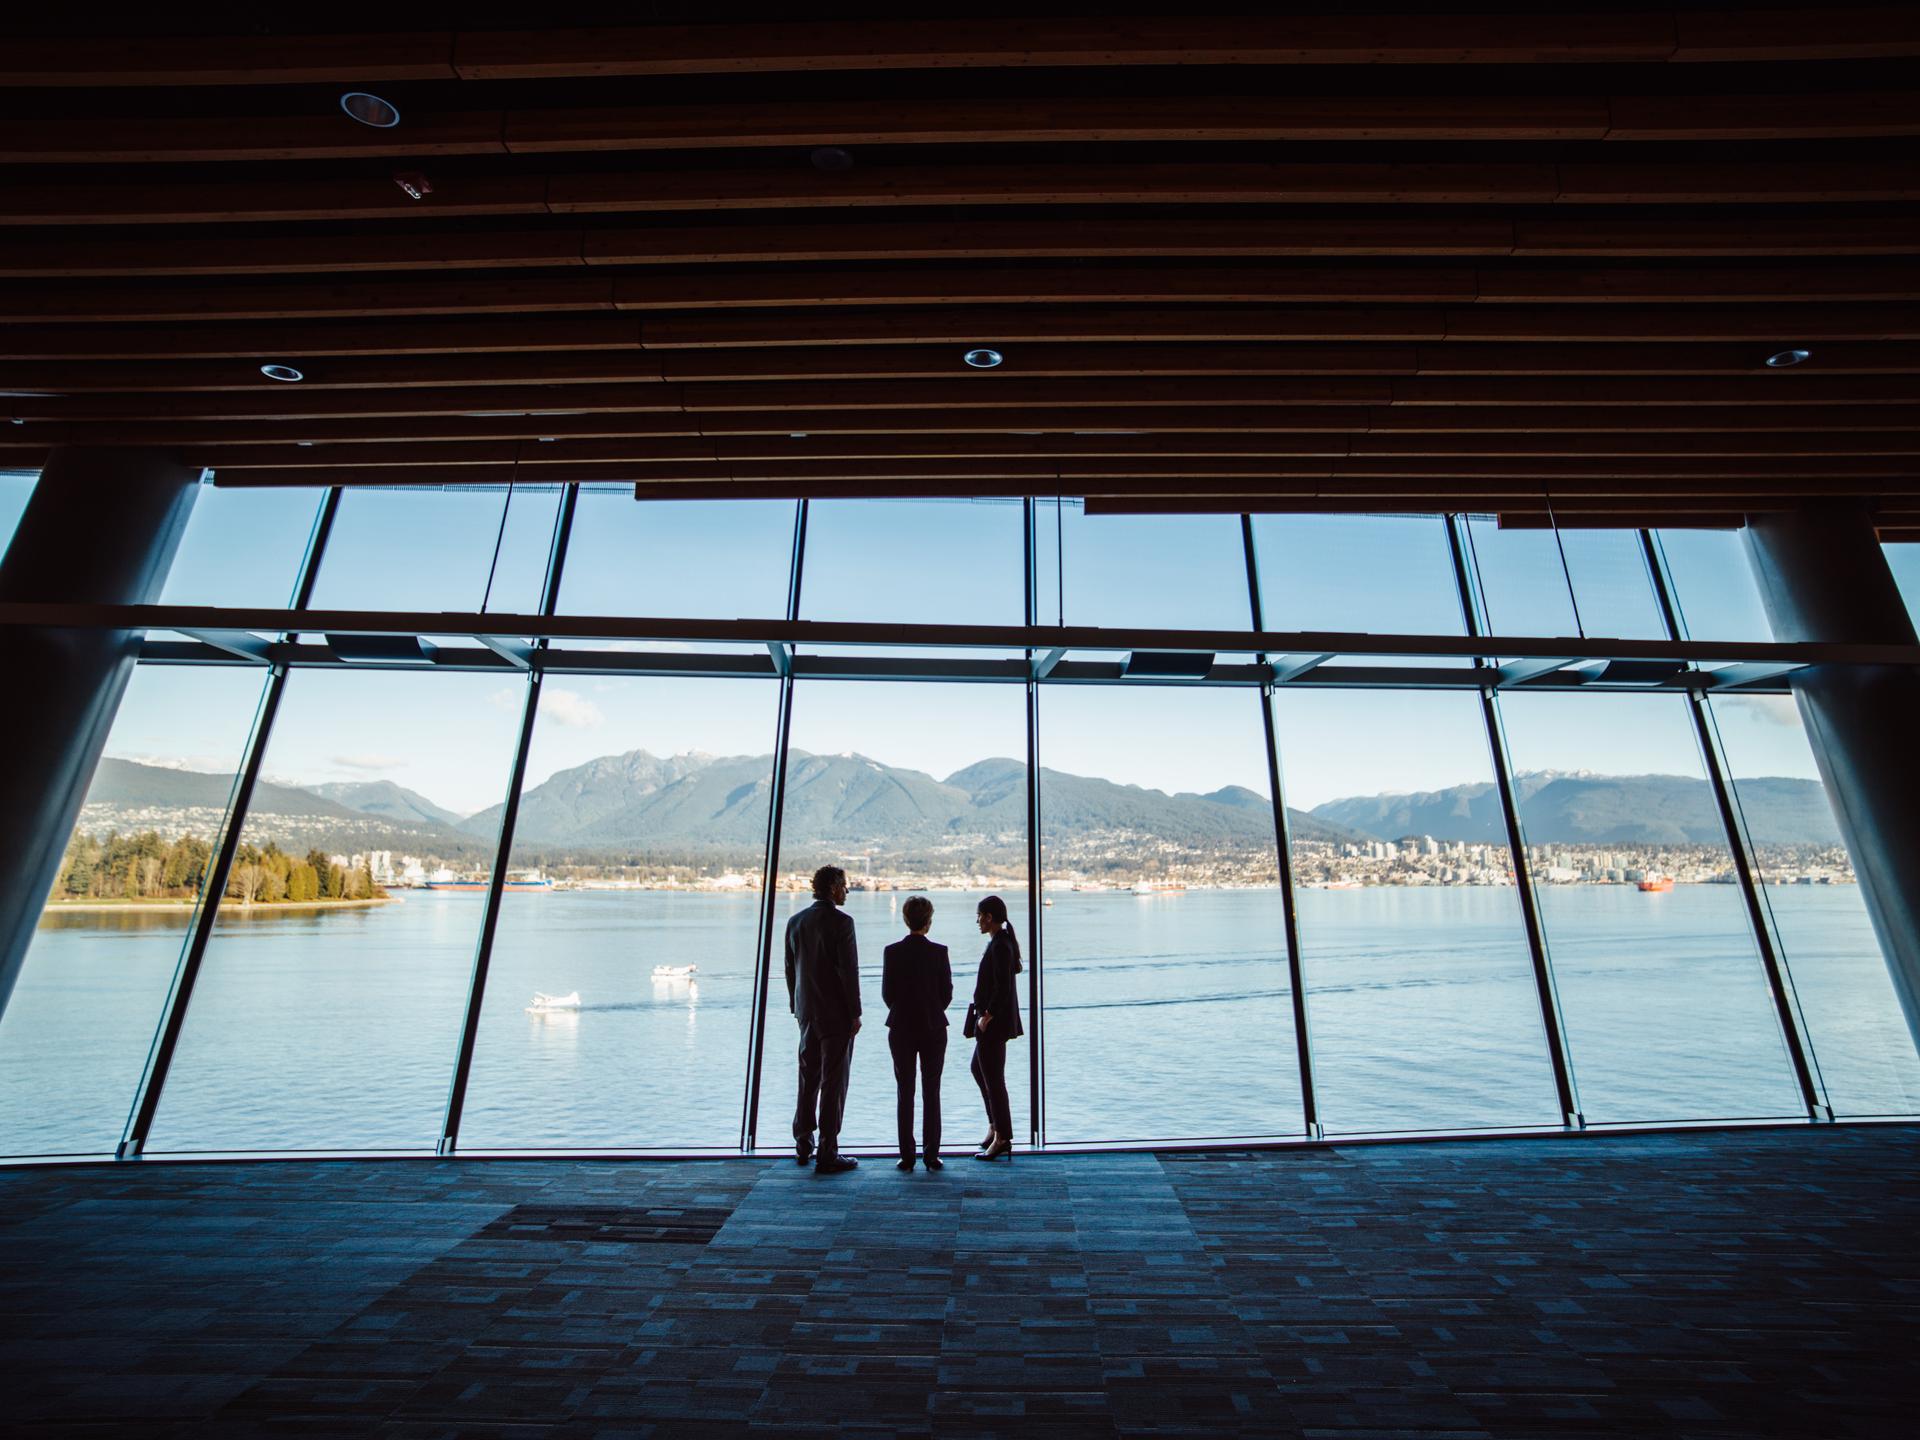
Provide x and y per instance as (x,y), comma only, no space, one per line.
(1530,262)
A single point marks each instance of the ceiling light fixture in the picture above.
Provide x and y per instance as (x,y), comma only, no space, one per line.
(1780,360)
(983,359)
(281,372)
(416,185)
(831,159)
(370,109)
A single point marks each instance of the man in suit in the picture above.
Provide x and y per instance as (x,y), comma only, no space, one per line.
(916,982)
(823,991)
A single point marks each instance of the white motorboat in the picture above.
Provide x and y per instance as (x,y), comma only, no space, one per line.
(673,972)
(544,1003)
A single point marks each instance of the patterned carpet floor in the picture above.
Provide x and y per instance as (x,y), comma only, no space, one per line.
(1731,1284)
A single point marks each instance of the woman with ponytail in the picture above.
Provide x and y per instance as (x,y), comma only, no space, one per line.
(992,1020)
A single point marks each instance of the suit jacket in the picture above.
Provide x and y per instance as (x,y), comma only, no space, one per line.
(823,969)
(916,981)
(997,992)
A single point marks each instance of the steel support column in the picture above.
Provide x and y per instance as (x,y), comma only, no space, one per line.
(1552,1024)
(1786,1005)
(770,866)
(1036,990)
(509,817)
(102,526)
(173,1014)
(1283,848)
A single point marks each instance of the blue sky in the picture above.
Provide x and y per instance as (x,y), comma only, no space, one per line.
(449,736)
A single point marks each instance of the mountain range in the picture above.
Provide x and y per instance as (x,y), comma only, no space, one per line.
(707,807)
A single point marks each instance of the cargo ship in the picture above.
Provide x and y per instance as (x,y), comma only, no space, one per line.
(1656,885)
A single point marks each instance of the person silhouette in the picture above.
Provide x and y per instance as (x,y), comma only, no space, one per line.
(916,981)
(994,1019)
(823,992)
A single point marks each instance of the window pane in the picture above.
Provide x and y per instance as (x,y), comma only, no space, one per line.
(1666,1006)
(1420,986)
(932,562)
(76,1031)
(329,1006)
(646,810)
(422,548)
(16,488)
(1379,574)
(1905,563)
(1602,588)
(1819,919)
(1169,1009)
(714,559)
(912,788)
(1161,572)
(243,547)
(1714,589)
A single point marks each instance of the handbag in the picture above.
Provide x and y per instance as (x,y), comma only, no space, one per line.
(971,1027)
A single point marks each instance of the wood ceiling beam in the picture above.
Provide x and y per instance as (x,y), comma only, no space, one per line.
(1600,37)
(1369,235)
(671,336)
(849,363)
(664,191)
(672,436)
(1214,119)
(877,406)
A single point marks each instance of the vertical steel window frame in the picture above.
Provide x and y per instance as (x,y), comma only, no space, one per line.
(173,1014)
(770,866)
(1552,1021)
(1036,988)
(1283,847)
(1786,1004)
(509,817)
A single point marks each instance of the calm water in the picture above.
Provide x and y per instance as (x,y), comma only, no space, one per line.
(1167,1017)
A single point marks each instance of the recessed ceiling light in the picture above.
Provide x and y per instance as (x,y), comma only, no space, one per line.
(416,185)
(281,372)
(304,444)
(831,158)
(1781,359)
(983,359)
(370,109)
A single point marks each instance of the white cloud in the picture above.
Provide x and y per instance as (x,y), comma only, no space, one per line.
(370,764)
(508,698)
(572,709)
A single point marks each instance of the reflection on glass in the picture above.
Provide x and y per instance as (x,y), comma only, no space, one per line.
(1378,574)
(1602,588)
(1819,919)
(243,546)
(1162,572)
(908,562)
(1904,560)
(621,990)
(1667,1010)
(912,789)
(1169,1009)
(16,488)
(424,548)
(77,1028)
(1420,985)
(328,1009)
(1714,589)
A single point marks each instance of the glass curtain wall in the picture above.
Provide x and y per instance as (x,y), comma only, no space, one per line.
(912,789)
(77,1028)
(16,488)
(620,995)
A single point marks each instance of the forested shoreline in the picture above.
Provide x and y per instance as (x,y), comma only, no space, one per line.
(144,866)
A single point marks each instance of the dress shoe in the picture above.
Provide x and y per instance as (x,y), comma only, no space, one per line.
(906,1164)
(934,1162)
(1002,1151)
(835,1164)
(803,1152)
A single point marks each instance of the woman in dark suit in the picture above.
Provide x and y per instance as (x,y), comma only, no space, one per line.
(996,1017)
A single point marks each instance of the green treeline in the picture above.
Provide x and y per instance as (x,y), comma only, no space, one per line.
(146,867)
